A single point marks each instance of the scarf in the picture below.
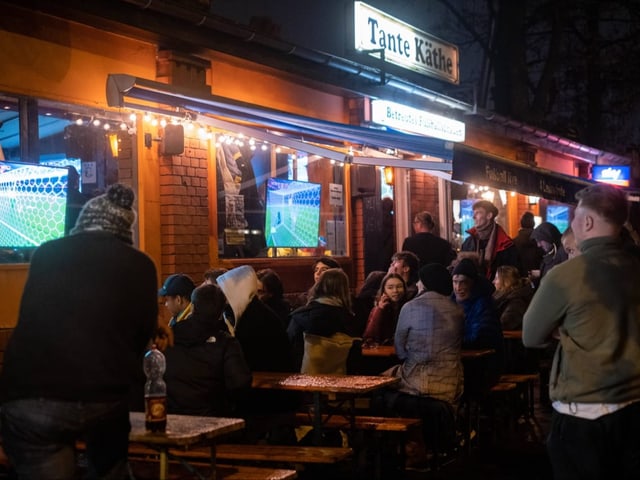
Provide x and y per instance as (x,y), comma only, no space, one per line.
(335,301)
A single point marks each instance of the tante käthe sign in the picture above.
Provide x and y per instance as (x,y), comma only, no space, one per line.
(403,44)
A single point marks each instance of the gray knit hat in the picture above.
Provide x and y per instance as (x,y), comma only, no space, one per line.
(110,212)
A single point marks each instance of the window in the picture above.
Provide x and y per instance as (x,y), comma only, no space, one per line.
(308,217)
(59,138)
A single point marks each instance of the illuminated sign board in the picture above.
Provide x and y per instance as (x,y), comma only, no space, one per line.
(413,120)
(404,45)
(613,174)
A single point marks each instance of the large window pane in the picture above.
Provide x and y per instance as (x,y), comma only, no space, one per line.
(276,201)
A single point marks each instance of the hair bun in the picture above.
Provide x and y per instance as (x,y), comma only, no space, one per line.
(121,195)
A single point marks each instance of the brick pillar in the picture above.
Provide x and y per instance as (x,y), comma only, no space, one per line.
(357,243)
(184,209)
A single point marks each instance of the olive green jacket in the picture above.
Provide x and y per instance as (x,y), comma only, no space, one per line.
(594,302)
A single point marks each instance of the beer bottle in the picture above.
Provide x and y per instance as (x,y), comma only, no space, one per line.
(155,391)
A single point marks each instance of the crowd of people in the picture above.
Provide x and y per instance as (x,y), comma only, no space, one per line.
(574,289)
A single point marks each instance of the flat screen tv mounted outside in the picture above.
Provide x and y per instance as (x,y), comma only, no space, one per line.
(559,216)
(292,217)
(33,201)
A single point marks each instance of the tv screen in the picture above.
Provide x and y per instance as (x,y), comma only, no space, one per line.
(466,216)
(292,217)
(33,201)
(559,216)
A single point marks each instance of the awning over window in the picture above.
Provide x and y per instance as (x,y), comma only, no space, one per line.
(480,168)
(121,89)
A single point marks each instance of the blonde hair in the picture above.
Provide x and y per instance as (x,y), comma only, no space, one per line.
(510,277)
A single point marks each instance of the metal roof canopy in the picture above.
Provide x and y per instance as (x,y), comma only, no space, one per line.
(121,87)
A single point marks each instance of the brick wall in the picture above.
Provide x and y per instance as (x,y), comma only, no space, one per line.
(357,243)
(423,195)
(184,210)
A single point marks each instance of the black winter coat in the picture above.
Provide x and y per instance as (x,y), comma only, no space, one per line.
(205,373)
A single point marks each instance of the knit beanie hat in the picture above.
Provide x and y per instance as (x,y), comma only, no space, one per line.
(467,268)
(110,212)
(435,277)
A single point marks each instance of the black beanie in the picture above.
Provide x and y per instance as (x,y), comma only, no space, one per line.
(467,268)
(436,277)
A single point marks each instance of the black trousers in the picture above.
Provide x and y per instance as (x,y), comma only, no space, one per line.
(607,447)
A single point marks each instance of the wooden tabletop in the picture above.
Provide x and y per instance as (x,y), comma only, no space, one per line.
(379,351)
(512,334)
(354,384)
(390,351)
(182,430)
(479,353)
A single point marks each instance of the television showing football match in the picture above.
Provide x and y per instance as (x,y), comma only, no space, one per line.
(292,216)
(33,201)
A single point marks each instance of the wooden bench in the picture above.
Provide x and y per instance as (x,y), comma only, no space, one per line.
(378,424)
(257,453)
(234,472)
(144,470)
(283,453)
(380,427)
(144,462)
(525,383)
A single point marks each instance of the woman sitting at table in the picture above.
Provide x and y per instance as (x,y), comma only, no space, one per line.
(512,296)
(381,326)
(206,369)
(327,312)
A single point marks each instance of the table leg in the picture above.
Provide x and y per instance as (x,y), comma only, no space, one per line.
(212,449)
(317,420)
(164,464)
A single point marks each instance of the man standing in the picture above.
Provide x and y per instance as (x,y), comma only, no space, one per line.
(489,240)
(592,304)
(528,251)
(88,311)
(428,247)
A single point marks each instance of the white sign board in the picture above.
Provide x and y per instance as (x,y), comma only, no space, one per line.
(89,172)
(404,45)
(413,120)
(335,195)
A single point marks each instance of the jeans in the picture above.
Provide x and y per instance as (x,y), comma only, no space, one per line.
(39,435)
(607,447)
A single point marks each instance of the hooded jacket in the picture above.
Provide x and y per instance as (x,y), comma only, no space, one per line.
(549,233)
(263,339)
(206,369)
(257,327)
